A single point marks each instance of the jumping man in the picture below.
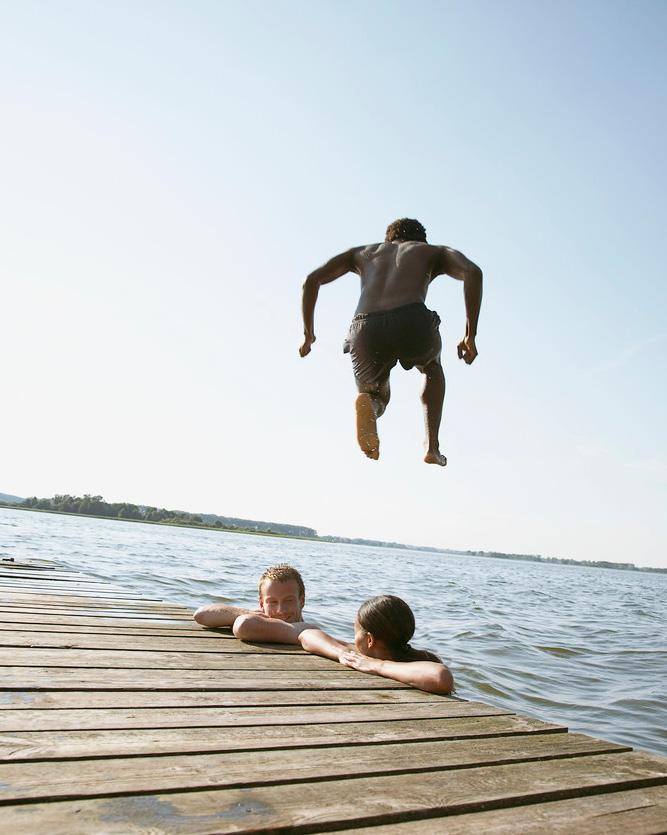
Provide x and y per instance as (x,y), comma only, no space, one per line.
(392,323)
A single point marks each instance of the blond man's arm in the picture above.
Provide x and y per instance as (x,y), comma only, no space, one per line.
(253,626)
(218,614)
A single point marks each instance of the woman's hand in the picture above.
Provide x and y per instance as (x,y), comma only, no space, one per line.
(363,663)
(431,676)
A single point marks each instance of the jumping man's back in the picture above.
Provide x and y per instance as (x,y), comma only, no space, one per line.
(394,274)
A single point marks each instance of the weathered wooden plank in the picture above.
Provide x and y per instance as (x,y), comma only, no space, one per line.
(67,641)
(36,568)
(55,594)
(59,699)
(73,678)
(104,616)
(53,634)
(86,601)
(52,583)
(235,769)
(33,585)
(106,610)
(75,597)
(46,577)
(104,607)
(37,745)
(72,589)
(9,619)
(639,812)
(101,719)
(310,807)
(231,655)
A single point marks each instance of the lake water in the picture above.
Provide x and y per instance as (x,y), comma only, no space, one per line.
(581,646)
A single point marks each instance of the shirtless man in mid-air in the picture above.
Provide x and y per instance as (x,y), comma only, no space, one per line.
(392,324)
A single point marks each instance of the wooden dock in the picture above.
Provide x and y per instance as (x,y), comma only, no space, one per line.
(120,715)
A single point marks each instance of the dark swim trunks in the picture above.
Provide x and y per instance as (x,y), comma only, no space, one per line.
(377,341)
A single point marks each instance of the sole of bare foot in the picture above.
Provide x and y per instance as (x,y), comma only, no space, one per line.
(435,458)
(367,435)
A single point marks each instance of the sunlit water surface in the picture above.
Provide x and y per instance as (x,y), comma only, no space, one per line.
(580,646)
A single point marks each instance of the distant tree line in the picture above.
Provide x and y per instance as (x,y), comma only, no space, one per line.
(96,506)
(622,566)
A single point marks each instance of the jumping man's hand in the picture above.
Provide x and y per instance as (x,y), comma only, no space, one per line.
(308,339)
(467,349)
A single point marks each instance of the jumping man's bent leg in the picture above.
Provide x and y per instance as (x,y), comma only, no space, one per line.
(433,396)
(370,404)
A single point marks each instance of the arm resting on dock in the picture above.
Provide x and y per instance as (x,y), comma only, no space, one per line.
(319,643)
(431,676)
(424,675)
(252,626)
(218,614)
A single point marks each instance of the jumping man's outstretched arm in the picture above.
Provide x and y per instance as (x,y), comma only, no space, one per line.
(333,269)
(454,263)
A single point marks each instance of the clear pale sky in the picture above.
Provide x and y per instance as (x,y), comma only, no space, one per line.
(172,171)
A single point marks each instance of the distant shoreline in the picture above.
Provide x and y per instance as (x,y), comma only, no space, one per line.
(347,541)
(8,506)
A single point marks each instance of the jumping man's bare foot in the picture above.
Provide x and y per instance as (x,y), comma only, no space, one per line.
(435,458)
(367,435)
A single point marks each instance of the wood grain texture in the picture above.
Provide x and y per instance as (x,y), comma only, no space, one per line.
(638,812)
(106,612)
(46,578)
(105,678)
(31,745)
(73,600)
(49,780)
(54,635)
(59,699)
(14,591)
(191,645)
(13,619)
(309,807)
(109,718)
(229,656)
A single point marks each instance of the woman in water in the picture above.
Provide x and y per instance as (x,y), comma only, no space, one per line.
(382,631)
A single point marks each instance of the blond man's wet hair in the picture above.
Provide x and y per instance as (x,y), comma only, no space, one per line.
(283,573)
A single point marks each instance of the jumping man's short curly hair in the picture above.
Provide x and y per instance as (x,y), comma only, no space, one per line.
(405,229)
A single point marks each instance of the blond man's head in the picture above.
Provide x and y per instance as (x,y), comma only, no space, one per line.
(281,593)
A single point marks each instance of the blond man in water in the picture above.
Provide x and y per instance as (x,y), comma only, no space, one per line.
(279,619)
(392,323)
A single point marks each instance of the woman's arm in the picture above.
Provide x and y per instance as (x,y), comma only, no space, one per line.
(425,675)
(319,643)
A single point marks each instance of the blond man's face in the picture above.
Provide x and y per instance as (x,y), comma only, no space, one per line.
(281,599)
